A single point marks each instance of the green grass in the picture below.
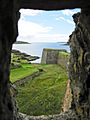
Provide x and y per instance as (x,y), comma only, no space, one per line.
(64,53)
(44,94)
(21,72)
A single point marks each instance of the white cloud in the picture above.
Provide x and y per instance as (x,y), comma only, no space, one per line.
(27,28)
(52,37)
(70,21)
(34,32)
(30,12)
(43,37)
(61,18)
(66,20)
(68,12)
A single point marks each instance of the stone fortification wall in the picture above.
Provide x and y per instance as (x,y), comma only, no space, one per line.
(55,56)
(49,56)
(63,59)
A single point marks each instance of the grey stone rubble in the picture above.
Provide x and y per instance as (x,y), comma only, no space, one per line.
(70,115)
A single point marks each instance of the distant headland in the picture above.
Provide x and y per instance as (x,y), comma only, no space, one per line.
(21,42)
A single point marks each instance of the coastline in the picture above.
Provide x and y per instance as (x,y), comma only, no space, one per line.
(35,49)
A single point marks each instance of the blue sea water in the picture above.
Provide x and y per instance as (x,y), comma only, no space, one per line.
(35,49)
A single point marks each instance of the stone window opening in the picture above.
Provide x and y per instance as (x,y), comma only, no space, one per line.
(8,34)
(23,84)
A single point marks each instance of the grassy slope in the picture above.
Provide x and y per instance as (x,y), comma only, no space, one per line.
(45,93)
(21,72)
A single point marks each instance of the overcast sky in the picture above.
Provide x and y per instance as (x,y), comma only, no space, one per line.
(45,26)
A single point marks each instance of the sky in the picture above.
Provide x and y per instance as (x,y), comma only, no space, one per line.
(45,26)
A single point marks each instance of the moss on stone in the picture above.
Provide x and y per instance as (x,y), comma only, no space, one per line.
(63,53)
(52,49)
(80,58)
(79,109)
(75,68)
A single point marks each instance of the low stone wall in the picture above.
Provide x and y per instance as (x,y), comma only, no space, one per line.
(27,78)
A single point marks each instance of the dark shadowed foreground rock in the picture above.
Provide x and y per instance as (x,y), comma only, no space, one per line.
(79,68)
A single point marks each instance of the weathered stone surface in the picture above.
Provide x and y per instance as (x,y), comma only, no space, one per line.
(8,33)
(49,56)
(63,59)
(70,115)
(55,56)
(79,71)
(67,99)
(53,4)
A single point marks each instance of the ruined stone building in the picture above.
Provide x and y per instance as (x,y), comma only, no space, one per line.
(79,68)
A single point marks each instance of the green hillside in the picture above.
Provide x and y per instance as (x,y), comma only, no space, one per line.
(44,94)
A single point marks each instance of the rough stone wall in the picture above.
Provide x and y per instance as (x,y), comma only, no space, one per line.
(53,4)
(44,56)
(63,59)
(55,56)
(8,34)
(79,69)
(49,56)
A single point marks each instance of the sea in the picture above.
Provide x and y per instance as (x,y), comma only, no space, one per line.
(35,49)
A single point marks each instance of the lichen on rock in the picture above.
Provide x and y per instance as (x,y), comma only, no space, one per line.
(79,64)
